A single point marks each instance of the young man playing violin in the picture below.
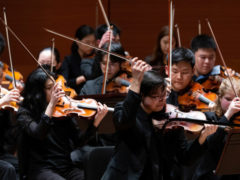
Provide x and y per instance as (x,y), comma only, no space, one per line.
(114,70)
(142,151)
(184,91)
(205,72)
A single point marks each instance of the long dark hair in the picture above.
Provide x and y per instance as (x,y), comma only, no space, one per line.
(34,94)
(158,56)
(81,32)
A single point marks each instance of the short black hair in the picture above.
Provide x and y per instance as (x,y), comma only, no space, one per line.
(56,53)
(151,82)
(100,30)
(2,43)
(116,48)
(203,42)
(183,54)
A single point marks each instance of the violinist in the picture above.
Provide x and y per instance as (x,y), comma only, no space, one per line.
(45,142)
(183,88)
(8,133)
(77,67)
(142,151)
(227,106)
(114,71)
(158,58)
(45,58)
(206,72)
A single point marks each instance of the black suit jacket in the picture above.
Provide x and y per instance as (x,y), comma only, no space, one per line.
(142,151)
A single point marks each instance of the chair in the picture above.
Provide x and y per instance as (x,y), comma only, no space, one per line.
(96,162)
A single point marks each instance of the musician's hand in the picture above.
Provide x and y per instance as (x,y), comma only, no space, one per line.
(138,69)
(233,108)
(11,96)
(101,113)
(208,130)
(105,38)
(56,94)
(20,85)
(229,72)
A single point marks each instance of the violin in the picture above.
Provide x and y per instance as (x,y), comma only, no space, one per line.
(85,108)
(119,84)
(213,82)
(7,79)
(69,91)
(196,98)
(173,112)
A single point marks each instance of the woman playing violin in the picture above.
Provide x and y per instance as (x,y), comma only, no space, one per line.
(114,71)
(227,106)
(141,152)
(46,142)
(183,89)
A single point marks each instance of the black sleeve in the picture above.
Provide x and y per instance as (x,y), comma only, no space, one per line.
(65,71)
(124,115)
(31,127)
(187,152)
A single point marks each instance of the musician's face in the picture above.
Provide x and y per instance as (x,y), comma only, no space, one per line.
(48,89)
(164,44)
(204,61)
(85,50)
(154,102)
(182,74)
(45,57)
(226,100)
(113,68)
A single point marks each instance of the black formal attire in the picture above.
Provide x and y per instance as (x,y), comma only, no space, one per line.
(92,86)
(8,138)
(142,152)
(7,171)
(209,160)
(45,145)
(74,66)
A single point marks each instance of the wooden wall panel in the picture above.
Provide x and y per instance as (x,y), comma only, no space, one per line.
(27,18)
(139,20)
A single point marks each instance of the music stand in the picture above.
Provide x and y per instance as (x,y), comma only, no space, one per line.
(229,162)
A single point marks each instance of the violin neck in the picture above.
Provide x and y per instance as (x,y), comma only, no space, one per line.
(93,107)
(205,100)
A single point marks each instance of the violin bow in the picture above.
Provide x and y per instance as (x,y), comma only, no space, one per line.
(199,28)
(109,48)
(52,53)
(26,49)
(221,56)
(178,35)
(170,39)
(9,49)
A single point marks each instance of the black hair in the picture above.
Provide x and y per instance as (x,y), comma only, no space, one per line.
(183,54)
(203,42)
(100,30)
(151,82)
(56,53)
(34,94)
(116,48)
(81,32)
(2,43)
